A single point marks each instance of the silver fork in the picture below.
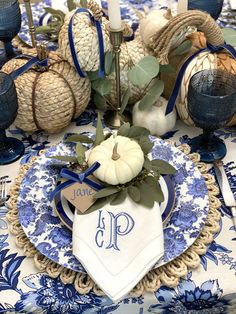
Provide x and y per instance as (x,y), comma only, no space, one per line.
(3,190)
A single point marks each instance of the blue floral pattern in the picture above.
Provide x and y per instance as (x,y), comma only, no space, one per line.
(53,239)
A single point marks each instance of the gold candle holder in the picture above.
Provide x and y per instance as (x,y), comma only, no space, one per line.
(32,30)
(114,118)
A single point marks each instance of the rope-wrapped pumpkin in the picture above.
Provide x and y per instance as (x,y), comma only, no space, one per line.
(48,100)
(161,44)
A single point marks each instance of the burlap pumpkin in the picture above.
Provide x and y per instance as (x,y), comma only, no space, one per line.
(161,45)
(49,100)
(85,40)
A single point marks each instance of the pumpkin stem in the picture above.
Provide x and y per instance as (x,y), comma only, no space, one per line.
(115,155)
(168,15)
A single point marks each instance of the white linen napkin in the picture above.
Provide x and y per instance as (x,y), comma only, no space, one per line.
(118,245)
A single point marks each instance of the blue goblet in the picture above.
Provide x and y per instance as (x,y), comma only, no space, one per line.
(10,24)
(213,7)
(10,148)
(211,104)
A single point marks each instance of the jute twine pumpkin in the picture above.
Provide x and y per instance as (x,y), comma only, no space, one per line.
(49,100)
(161,44)
(85,40)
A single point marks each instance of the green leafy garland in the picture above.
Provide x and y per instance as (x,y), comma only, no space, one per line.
(144,189)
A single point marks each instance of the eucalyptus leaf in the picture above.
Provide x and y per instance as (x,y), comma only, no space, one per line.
(163,167)
(166,68)
(144,71)
(100,101)
(100,202)
(125,100)
(146,144)
(134,193)
(71,5)
(109,63)
(102,86)
(146,199)
(55,13)
(229,36)
(64,158)
(44,29)
(83,3)
(147,164)
(137,131)
(155,189)
(80,153)
(152,95)
(183,48)
(79,138)
(120,197)
(124,129)
(99,131)
(92,75)
(106,192)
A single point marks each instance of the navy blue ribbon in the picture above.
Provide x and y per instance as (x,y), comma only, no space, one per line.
(73,177)
(210,48)
(33,61)
(100,43)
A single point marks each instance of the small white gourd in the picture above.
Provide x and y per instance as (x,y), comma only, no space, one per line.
(121,159)
(152,23)
(155,119)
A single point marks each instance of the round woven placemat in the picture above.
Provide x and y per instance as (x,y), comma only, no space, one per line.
(168,275)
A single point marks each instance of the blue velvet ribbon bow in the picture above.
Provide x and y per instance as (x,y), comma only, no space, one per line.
(100,43)
(73,177)
(210,48)
(33,61)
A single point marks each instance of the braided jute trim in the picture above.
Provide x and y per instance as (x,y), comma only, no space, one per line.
(168,275)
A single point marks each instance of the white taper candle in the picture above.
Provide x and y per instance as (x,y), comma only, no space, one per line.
(182,6)
(114,14)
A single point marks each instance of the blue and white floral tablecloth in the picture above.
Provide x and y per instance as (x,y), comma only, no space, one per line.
(209,289)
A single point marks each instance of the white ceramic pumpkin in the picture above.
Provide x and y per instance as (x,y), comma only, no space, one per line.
(121,159)
(152,23)
(155,119)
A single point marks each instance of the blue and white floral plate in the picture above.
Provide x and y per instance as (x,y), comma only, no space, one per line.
(54,240)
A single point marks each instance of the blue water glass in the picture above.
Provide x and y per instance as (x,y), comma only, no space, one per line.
(10,24)
(10,148)
(213,7)
(211,104)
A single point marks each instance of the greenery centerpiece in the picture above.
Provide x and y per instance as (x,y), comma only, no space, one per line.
(125,165)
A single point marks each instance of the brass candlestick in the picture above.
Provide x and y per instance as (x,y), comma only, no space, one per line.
(114,118)
(32,30)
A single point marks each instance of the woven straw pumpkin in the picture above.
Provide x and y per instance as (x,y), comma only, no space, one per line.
(49,100)
(85,40)
(205,60)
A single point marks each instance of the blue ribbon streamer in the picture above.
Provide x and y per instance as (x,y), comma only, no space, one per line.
(32,62)
(210,48)
(100,44)
(73,177)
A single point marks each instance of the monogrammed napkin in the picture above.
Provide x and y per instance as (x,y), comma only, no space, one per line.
(118,245)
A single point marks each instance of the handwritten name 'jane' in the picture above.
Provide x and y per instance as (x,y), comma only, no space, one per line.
(82,193)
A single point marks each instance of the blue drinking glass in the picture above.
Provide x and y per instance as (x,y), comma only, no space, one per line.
(213,7)
(211,104)
(10,24)
(10,148)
